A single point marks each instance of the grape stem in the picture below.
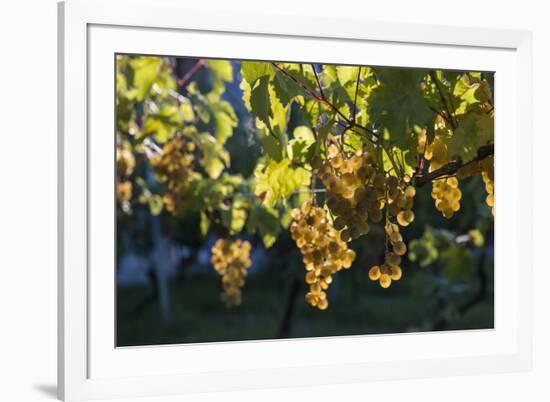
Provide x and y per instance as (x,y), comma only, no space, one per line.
(452,167)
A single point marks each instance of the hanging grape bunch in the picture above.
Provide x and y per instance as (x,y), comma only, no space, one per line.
(445,191)
(399,204)
(125,163)
(174,167)
(353,191)
(231,259)
(400,199)
(323,251)
(390,270)
(486,168)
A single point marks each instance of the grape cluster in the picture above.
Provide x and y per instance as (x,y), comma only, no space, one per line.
(174,167)
(390,270)
(355,191)
(125,164)
(231,259)
(400,199)
(487,167)
(323,251)
(445,191)
(447,196)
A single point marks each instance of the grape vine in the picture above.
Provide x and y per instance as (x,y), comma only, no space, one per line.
(342,152)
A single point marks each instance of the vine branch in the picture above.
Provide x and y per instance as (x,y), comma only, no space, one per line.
(452,167)
(183,80)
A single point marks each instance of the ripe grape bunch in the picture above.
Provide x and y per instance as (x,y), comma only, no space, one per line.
(174,167)
(231,259)
(400,199)
(447,196)
(323,251)
(390,270)
(445,191)
(354,191)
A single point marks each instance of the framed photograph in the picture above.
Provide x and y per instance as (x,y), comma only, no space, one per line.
(254,201)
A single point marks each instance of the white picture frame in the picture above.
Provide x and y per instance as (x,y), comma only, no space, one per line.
(90,366)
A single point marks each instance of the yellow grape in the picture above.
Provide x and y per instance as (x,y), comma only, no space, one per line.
(374,273)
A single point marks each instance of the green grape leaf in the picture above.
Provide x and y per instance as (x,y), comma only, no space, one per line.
(277,181)
(234,216)
(271,145)
(265,221)
(214,156)
(280,113)
(311,110)
(322,136)
(271,114)
(301,148)
(329,75)
(225,118)
(464,93)
(303,73)
(260,100)
(484,93)
(187,113)
(252,71)
(224,126)
(203,112)
(146,71)
(239,214)
(485,129)
(398,104)
(285,217)
(247,91)
(347,74)
(163,124)
(473,131)
(285,89)
(221,69)
(221,72)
